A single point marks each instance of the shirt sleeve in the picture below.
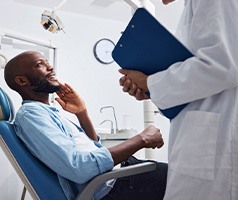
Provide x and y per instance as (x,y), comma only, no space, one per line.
(46,139)
(211,34)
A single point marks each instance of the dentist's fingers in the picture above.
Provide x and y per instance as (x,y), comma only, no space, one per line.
(140,95)
(132,90)
(124,71)
(127,85)
(167,1)
(122,80)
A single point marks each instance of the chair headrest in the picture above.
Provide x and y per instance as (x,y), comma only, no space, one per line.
(6,107)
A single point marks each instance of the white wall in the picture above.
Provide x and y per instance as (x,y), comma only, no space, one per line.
(96,83)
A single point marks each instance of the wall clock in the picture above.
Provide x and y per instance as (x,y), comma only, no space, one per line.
(103,51)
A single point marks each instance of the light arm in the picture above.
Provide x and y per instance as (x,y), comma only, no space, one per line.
(141,3)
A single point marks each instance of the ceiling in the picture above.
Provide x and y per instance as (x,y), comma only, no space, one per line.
(109,9)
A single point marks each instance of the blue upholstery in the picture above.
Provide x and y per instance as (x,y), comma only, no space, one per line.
(43,180)
(6,107)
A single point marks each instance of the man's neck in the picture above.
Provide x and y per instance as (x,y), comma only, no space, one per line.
(43,98)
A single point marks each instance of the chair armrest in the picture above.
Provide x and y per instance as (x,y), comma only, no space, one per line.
(92,186)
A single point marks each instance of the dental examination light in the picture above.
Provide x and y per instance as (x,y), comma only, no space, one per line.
(50,21)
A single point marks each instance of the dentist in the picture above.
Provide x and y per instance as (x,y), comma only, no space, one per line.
(203,141)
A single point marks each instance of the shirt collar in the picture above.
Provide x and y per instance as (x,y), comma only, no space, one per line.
(38,102)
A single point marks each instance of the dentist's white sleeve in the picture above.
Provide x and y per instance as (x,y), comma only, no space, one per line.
(213,69)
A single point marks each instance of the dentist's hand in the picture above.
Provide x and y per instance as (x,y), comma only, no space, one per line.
(167,1)
(134,83)
(70,100)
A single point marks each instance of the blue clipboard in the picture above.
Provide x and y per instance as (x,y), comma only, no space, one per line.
(147,46)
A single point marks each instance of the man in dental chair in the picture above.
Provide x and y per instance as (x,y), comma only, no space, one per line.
(74,152)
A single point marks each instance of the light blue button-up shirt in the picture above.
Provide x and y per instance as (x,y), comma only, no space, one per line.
(48,135)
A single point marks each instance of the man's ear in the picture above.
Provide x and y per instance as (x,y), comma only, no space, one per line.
(21,80)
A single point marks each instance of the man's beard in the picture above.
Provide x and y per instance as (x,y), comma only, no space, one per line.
(42,85)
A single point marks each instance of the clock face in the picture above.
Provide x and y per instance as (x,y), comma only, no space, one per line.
(103,51)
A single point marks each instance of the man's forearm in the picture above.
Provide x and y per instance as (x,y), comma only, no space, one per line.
(124,150)
(87,125)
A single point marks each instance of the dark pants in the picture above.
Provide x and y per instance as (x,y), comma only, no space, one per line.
(146,186)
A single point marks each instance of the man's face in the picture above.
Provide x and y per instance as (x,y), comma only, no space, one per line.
(167,1)
(42,76)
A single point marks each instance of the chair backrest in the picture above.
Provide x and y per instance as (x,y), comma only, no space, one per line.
(40,181)
(6,107)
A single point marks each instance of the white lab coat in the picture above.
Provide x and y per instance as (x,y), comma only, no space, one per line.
(203,140)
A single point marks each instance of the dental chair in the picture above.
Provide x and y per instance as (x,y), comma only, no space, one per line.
(40,181)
